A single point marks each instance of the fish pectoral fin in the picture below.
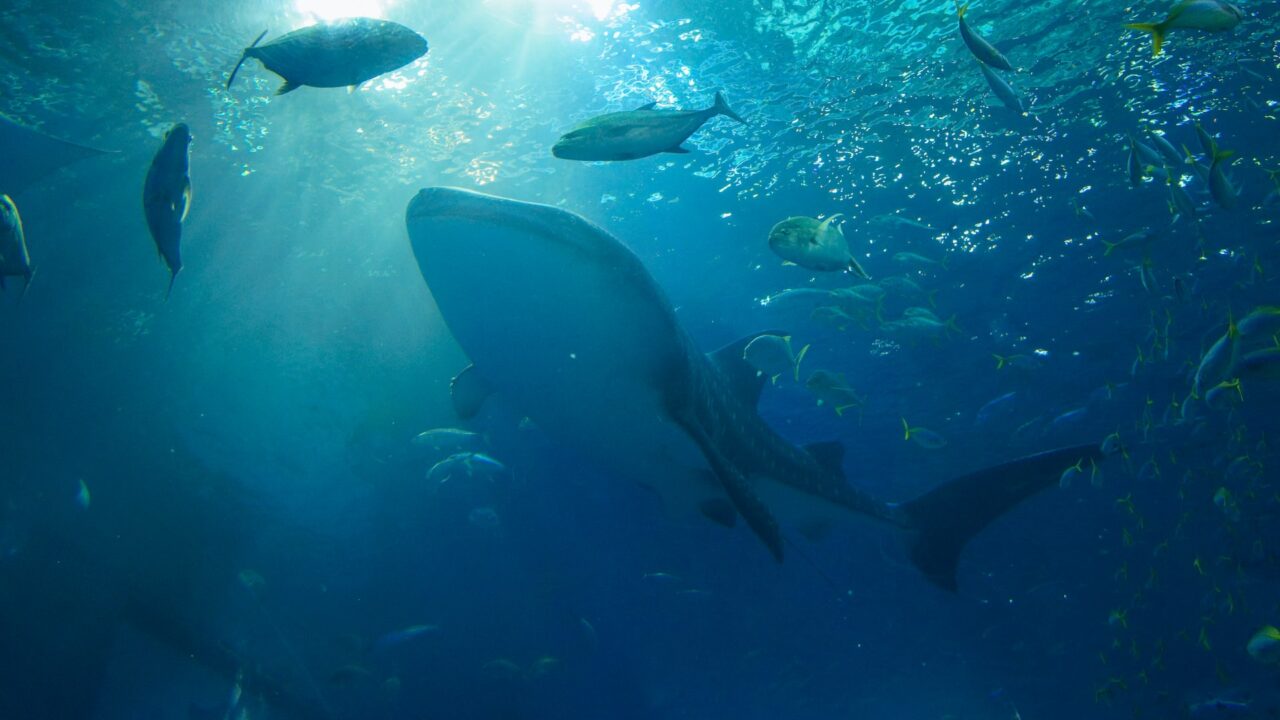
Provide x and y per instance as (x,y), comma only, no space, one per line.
(288,87)
(184,201)
(678,150)
(738,488)
(469,391)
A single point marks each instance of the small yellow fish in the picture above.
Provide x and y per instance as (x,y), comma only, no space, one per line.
(1264,646)
(1207,15)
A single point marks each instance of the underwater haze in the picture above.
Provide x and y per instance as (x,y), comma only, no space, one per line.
(1038,306)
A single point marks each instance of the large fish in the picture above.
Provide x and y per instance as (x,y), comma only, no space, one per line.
(29,155)
(14,259)
(986,53)
(343,53)
(637,133)
(166,197)
(1207,15)
(594,354)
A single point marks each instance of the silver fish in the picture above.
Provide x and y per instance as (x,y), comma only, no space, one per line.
(15,261)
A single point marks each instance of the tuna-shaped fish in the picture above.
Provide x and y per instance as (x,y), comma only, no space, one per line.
(1002,89)
(343,53)
(638,133)
(814,244)
(14,259)
(986,53)
(166,197)
(1207,15)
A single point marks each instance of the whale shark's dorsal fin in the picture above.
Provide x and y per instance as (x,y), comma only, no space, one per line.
(830,455)
(743,378)
(469,390)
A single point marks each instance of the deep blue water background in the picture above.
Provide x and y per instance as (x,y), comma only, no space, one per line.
(261,419)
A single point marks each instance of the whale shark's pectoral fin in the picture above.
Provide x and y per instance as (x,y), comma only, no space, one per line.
(469,391)
(738,488)
(945,518)
(678,150)
(647,106)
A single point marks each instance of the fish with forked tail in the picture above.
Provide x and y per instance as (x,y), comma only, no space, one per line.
(620,378)
(166,197)
(647,130)
(343,53)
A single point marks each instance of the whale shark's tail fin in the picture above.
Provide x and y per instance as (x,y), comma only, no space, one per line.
(722,108)
(945,518)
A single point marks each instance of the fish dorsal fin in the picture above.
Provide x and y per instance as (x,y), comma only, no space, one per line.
(647,106)
(745,382)
(288,87)
(827,222)
(469,390)
(830,455)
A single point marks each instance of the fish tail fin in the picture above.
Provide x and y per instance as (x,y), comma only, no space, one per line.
(31,272)
(1000,360)
(722,108)
(1157,34)
(244,56)
(947,517)
(173,276)
(952,326)
(880,309)
(906,430)
(799,359)
(1219,154)
(1110,247)
(961,9)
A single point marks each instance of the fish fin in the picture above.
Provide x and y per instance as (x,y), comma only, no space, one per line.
(799,359)
(945,518)
(745,382)
(244,56)
(830,455)
(1157,34)
(186,199)
(469,390)
(961,10)
(738,488)
(678,150)
(722,108)
(288,87)
(719,511)
(173,277)
(26,284)
(647,106)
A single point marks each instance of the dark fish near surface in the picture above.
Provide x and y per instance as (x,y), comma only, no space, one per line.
(14,260)
(166,197)
(338,54)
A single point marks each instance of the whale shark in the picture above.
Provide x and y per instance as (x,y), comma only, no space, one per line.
(565,323)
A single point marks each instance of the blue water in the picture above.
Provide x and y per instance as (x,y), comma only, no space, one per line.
(256,508)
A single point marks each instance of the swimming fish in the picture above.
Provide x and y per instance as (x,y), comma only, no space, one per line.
(814,244)
(1220,186)
(464,464)
(1261,321)
(832,389)
(1217,362)
(1171,155)
(910,258)
(15,261)
(1207,15)
(1207,143)
(449,440)
(403,635)
(1140,240)
(620,379)
(996,407)
(638,133)
(792,295)
(1264,646)
(166,197)
(924,437)
(82,495)
(1134,164)
(342,53)
(1002,89)
(978,45)
(771,355)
